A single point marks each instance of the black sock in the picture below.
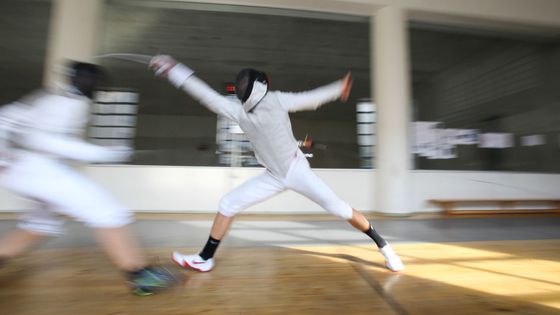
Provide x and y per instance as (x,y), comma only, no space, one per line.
(210,248)
(380,241)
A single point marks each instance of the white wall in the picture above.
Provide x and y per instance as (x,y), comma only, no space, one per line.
(199,189)
(480,185)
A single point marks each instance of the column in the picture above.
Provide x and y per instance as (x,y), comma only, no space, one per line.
(74,31)
(391,86)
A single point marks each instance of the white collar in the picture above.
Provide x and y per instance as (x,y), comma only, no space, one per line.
(257,93)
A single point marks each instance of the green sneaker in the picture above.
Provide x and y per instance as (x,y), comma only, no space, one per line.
(150,280)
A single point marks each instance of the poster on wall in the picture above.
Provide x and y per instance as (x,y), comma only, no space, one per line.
(465,136)
(444,147)
(432,141)
(424,137)
(533,140)
(495,140)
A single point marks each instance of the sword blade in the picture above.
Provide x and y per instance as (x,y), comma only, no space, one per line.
(138,58)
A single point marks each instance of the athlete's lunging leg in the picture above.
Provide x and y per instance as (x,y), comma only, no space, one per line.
(263,116)
(47,128)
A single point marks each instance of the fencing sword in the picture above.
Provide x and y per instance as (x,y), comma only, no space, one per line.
(138,58)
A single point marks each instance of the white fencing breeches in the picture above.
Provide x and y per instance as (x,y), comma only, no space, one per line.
(300,178)
(60,189)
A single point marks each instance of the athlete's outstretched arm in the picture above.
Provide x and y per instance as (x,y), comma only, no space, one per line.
(73,148)
(311,100)
(18,125)
(183,77)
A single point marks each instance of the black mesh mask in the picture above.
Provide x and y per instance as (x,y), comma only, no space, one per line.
(85,77)
(244,82)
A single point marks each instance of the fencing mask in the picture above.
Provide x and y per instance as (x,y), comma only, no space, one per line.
(250,87)
(85,77)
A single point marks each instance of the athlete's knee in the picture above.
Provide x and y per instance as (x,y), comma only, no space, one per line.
(339,208)
(110,217)
(228,206)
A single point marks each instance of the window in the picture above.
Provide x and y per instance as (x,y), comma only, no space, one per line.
(298,50)
(485,100)
(23,29)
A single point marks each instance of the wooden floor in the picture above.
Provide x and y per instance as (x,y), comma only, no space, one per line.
(516,277)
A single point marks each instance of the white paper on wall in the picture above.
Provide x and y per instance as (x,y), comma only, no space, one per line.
(444,147)
(466,136)
(495,140)
(433,142)
(533,140)
(424,137)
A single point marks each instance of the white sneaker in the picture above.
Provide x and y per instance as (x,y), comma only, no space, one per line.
(193,261)
(392,261)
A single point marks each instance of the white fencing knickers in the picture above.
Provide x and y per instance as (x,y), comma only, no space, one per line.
(60,189)
(300,178)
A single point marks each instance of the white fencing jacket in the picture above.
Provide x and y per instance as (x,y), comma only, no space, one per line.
(51,124)
(267,125)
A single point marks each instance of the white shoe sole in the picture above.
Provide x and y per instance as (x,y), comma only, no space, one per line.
(393,269)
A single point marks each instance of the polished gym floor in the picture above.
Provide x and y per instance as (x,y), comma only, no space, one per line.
(305,265)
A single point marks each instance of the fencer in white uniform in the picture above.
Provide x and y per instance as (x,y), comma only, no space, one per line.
(263,116)
(39,135)
(42,132)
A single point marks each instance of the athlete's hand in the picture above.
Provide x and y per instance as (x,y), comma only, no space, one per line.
(346,87)
(161,64)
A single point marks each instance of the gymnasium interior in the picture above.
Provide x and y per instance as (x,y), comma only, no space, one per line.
(449,144)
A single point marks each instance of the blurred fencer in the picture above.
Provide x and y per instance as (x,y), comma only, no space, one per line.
(264,117)
(38,135)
